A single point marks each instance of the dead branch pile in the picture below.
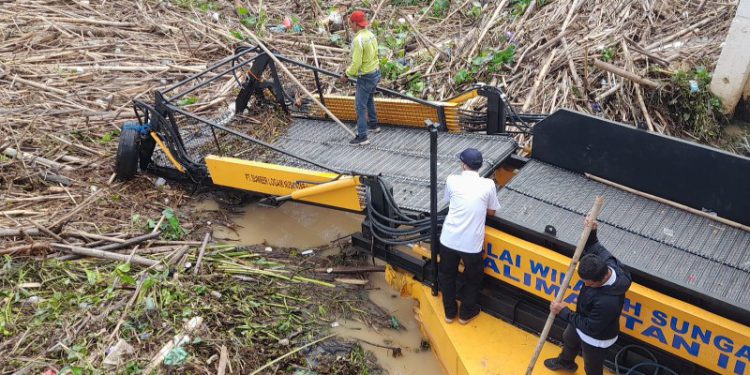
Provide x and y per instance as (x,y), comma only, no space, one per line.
(69,71)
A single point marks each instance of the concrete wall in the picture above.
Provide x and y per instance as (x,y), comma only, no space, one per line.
(730,80)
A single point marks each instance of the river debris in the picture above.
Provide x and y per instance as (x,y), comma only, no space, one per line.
(87,314)
(69,71)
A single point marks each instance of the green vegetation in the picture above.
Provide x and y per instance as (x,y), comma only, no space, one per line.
(440,8)
(43,302)
(392,70)
(608,54)
(407,3)
(475,11)
(109,137)
(187,101)
(488,61)
(693,106)
(463,77)
(415,85)
(520,6)
(203,6)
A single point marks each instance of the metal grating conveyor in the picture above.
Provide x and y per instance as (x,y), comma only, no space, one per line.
(670,244)
(400,155)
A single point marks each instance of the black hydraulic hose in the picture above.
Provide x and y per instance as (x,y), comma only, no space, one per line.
(651,363)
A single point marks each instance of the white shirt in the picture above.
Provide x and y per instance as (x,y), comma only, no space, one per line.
(596,342)
(470,197)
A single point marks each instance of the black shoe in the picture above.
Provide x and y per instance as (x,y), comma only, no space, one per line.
(360,141)
(556,364)
(465,321)
(373,128)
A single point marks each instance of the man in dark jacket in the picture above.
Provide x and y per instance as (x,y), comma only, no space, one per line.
(595,325)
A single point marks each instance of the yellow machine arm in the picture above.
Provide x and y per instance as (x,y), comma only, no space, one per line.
(329,189)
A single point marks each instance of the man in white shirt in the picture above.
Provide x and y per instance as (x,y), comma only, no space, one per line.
(472,198)
(595,325)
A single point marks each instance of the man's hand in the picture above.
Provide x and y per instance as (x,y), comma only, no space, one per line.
(556,307)
(588,220)
(343,79)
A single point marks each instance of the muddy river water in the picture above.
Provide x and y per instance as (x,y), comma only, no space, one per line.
(304,226)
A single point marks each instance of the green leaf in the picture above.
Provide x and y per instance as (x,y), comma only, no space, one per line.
(106,138)
(462,77)
(173,229)
(237,35)
(92,277)
(249,21)
(242,11)
(124,268)
(122,271)
(187,101)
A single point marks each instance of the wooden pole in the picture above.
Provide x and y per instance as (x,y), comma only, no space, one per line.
(202,250)
(298,83)
(595,210)
(106,255)
(486,28)
(670,203)
(625,74)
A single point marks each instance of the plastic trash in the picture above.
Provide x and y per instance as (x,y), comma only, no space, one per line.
(269,249)
(176,357)
(150,304)
(308,252)
(279,29)
(287,22)
(160,182)
(394,323)
(117,354)
(694,86)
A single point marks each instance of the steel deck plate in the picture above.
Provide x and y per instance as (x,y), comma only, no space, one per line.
(671,244)
(400,155)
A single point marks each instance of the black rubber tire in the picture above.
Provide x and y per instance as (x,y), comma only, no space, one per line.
(126,163)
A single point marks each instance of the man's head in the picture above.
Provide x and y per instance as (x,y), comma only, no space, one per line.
(471,159)
(592,270)
(358,20)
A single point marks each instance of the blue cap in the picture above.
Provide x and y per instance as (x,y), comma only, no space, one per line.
(471,157)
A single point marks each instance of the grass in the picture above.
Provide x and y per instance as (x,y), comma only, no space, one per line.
(692,105)
(203,6)
(68,319)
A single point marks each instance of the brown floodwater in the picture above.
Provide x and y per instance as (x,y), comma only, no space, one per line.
(290,225)
(414,361)
(304,226)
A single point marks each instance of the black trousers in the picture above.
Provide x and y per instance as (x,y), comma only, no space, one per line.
(472,277)
(593,357)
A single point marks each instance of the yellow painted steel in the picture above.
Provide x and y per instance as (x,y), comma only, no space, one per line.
(164,148)
(302,184)
(485,346)
(685,330)
(393,111)
(464,97)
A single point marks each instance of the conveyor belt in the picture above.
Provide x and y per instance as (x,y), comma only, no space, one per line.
(400,155)
(688,250)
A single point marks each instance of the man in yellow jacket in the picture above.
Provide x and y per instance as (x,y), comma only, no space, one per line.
(365,68)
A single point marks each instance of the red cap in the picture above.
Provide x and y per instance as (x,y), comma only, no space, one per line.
(359,18)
